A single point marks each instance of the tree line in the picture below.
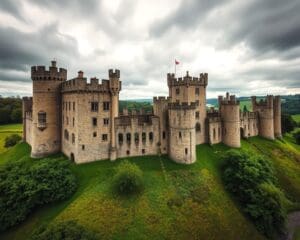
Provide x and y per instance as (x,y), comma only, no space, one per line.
(10,110)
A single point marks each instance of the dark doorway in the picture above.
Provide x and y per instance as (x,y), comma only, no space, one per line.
(72,157)
(242,133)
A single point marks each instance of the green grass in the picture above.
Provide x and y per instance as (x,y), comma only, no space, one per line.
(296,117)
(179,201)
(6,130)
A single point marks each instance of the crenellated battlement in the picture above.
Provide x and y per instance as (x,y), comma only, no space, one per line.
(187,80)
(263,103)
(114,73)
(248,115)
(81,84)
(161,99)
(182,106)
(40,73)
(228,100)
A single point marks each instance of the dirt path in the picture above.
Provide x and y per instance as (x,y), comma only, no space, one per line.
(293,222)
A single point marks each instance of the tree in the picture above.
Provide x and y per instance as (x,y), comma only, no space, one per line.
(16,115)
(287,123)
(245,109)
(12,140)
(128,179)
(296,135)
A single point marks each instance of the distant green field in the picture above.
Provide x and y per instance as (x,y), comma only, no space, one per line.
(179,201)
(6,130)
(296,117)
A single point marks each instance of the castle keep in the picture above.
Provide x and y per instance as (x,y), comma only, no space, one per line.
(82,119)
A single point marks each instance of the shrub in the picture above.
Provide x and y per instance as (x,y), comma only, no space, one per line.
(24,186)
(252,181)
(128,179)
(287,123)
(296,135)
(64,230)
(12,140)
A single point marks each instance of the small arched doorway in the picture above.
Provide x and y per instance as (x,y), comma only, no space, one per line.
(242,133)
(72,157)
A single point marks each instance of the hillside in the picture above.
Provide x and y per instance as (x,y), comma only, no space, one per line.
(181,202)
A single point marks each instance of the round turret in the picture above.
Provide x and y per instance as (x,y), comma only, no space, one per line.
(182,132)
(230,114)
(46,137)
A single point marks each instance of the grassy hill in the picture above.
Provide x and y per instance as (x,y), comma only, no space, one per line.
(6,130)
(179,202)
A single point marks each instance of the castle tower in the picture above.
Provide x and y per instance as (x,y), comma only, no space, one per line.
(277,117)
(266,116)
(182,141)
(46,109)
(229,109)
(115,87)
(190,89)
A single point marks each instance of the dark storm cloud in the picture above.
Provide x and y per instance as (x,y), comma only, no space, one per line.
(266,25)
(20,50)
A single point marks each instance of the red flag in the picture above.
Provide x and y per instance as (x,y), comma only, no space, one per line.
(176,62)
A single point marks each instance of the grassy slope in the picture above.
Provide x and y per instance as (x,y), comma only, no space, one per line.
(213,216)
(6,130)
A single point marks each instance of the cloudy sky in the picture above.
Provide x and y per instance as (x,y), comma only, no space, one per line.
(247,47)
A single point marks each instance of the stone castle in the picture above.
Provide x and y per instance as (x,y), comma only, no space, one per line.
(82,119)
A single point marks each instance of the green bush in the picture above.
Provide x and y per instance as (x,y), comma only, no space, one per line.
(128,179)
(252,181)
(288,124)
(24,186)
(296,135)
(64,230)
(12,140)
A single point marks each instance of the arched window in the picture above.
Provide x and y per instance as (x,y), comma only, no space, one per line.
(128,137)
(143,137)
(120,136)
(214,133)
(136,137)
(66,134)
(73,138)
(151,136)
(198,127)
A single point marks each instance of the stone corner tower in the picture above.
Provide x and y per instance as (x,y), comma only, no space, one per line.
(46,109)
(114,87)
(229,109)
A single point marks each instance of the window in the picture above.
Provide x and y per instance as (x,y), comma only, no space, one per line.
(197,102)
(120,138)
(143,151)
(104,137)
(143,137)
(69,105)
(219,132)
(214,133)
(197,91)
(127,152)
(151,136)
(73,122)
(136,137)
(67,121)
(105,106)
(42,118)
(177,91)
(197,115)
(73,106)
(73,138)
(180,136)
(186,151)
(198,127)
(94,134)
(94,122)
(94,106)
(66,134)
(164,135)
(82,147)
(128,137)
(106,121)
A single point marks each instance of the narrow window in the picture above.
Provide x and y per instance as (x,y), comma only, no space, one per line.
(73,138)
(177,91)
(82,147)
(186,151)
(164,135)
(106,121)
(69,105)
(180,136)
(94,134)
(197,91)
(143,151)
(66,134)
(151,136)
(198,127)
(214,133)
(94,106)
(42,118)
(104,137)
(67,121)
(73,106)
(143,137)
(219,132)
(197,115)
(120,138)
(73,122)
(136,137)
(105,106)
(94,122)
(128,152)
(128,137)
